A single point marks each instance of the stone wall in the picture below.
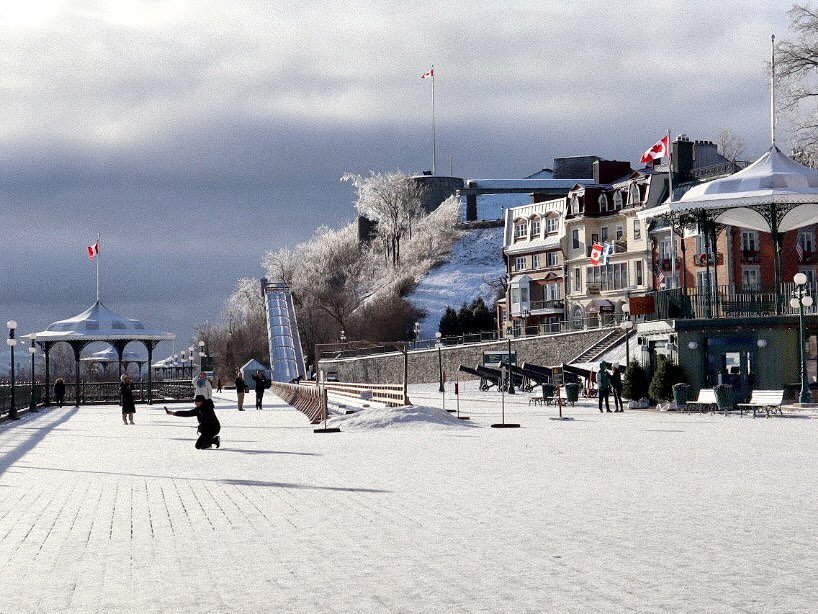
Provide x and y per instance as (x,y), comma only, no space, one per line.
(423,364)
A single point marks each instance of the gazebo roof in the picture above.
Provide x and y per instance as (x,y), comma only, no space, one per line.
(774,180)
(98,323)
(110,355)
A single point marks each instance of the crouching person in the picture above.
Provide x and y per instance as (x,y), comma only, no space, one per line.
(209,425)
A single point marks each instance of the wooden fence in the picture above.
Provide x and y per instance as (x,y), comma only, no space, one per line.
(305,398)
(392,395)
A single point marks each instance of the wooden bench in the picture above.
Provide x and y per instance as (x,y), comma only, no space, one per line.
(706,401)
(767,400)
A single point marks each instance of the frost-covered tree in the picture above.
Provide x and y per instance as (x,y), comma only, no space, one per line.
(731,145)
(394,201)
(797,68)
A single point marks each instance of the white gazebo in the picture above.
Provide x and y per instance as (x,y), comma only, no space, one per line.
(98,323)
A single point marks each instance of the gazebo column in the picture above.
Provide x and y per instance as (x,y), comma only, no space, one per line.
(77,346)
(714,234)
(47,351)
(683,280)
(777,241)
(708,312)
(150,345)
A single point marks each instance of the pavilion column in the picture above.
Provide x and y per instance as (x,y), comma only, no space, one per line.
(47,350)
(149,345)
(684,265)
(715,243)
(777,241)
(77,347)
(708,312)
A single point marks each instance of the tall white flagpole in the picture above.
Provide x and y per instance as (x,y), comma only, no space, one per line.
(434,133)
(97,259)
(772,92)
(672,231)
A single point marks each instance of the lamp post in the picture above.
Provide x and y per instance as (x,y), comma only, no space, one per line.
(11,341)
(509,374)
(626,325)
(190,357)
(801,298)
(201,354)
(343,336)
(32,349)
(416,333)
(183,354)
(439,336)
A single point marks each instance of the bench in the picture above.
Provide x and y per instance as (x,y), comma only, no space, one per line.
(706,401)
(767,400)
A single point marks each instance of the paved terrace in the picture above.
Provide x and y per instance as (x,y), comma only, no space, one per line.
(640,512)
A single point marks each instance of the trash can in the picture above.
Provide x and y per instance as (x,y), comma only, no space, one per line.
(724,397)
(572,393)
(681,393)
(548,392)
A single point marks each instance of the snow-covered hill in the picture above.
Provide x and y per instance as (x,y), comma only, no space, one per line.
(473,264)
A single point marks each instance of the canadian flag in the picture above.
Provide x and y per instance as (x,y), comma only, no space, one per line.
(93,250)
(659,150)
(429,73)
(596,253)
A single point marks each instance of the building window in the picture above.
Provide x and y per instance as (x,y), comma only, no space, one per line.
(609,276)
(810,273)
(637,229)
(575,239)
(618,199)
(552,225)
(594,238)
(806,241)
(749,241)
(552,292)
(639,274)
(575,205)
(577,279)
(750,278)
(604,231)
(520,230)
(665,249)
(552,259)
(535,229)
(620,232)
(519,263)
(634,198)
(535,261)
(603,203)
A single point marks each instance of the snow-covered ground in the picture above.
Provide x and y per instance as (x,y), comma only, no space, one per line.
(634,512)
(475,261)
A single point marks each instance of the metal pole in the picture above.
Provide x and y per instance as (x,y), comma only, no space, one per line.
(670,191)
(503,398)
(13,410)
(509,374)
(32,405)
(434,130)
(441,388)
(805,396)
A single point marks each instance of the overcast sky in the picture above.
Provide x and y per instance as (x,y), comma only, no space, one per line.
(196,135)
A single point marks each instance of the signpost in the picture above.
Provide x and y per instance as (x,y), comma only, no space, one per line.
(503,424)
(457,398)
(558,379)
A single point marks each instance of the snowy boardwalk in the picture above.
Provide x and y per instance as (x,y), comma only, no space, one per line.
(641,512)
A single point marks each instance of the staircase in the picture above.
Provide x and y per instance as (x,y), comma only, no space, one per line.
(600,347)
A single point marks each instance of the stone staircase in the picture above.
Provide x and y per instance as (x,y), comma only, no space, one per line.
(600,347)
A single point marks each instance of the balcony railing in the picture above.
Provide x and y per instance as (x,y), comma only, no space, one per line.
(558,305)
(750,256)
(724,302)
(711,259)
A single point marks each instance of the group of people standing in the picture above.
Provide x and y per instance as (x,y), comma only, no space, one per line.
(260,384)
(608,380)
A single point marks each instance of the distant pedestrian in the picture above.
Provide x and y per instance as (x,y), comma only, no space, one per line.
(202,387)
(603,382)
(59,391)
(261,384)
(241,388)
(209,426)
(219,384)
(616,388)
(126,396)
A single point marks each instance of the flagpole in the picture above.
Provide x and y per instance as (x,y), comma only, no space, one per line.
(772,92)
(97,260)
(672,231)
(434,133)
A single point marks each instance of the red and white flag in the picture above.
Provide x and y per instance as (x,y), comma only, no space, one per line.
(596,253)
(429,73)
(659,150)
(93,250)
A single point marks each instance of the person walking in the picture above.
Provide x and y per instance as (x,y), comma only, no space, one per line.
(603,380)
(59,391)
(616,388)
(126,396)
(219,384)
(241,388)
(261,383)
(202,387)
(209,426)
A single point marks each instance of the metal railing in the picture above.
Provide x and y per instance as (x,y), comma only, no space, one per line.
(724,302)
(558,304)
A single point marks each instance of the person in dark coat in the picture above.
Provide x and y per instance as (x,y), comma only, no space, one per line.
(241,388)
(261,384)
(616,388)
(209,426)
(126,396)
(59,391)
(219,384)
(603,382)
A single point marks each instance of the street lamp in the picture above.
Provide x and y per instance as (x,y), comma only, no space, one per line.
(439,336)
(11,341)
(32,349)
(343,337)
(508,371)
(801,298)
(201,354)
(416,331)
(626,325)
(190,357)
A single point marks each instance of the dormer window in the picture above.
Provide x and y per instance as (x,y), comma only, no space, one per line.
(634,198)
(603,203)
(535,229)
(617,199)
(552,225)
(575,205)
(521,230)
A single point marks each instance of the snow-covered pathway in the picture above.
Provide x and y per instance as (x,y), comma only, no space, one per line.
(639,512)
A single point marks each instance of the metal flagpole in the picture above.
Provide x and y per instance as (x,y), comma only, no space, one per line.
(97,259)
(670,189)
(772,92)
(434,132)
